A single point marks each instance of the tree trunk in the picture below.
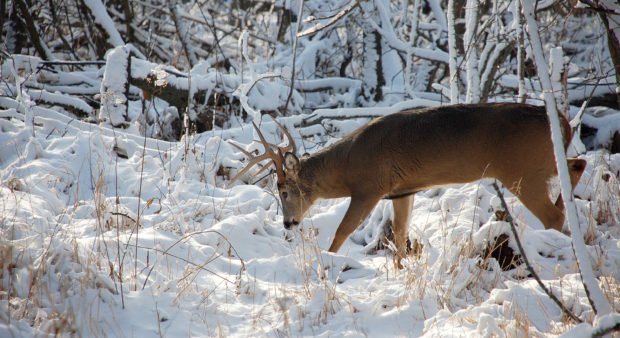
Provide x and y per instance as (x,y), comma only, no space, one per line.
(611,26)
(373,79)
(31,27)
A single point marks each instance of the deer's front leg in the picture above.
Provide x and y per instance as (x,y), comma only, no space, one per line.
(358,210)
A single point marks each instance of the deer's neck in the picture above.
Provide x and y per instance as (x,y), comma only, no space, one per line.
(322,175)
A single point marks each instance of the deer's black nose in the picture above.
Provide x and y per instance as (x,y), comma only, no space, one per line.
(289,224)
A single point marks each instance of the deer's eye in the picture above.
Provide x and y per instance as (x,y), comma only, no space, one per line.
(284,194)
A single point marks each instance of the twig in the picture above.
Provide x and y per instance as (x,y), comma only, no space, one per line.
(201,267)
(604,330)
(576,121)
(331,22)
(135,266)
(527,263)
(118,234)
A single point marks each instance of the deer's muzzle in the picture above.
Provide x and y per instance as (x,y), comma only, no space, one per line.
(290,224)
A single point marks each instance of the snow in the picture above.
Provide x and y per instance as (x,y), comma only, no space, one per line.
(606,124)
(216,260)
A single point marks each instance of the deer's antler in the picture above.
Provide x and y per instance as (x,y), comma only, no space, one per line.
(291,144)
(276,158)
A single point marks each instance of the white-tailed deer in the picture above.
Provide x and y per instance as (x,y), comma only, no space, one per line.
(397,155)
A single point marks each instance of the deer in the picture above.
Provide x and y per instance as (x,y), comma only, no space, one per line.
(397,155)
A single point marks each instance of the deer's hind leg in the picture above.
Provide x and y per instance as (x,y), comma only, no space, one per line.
(532,191)
(402,213)
(576,166)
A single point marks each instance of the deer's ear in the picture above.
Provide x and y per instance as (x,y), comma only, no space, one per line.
(291,162)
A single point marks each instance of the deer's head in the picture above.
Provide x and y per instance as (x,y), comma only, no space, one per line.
(295,196)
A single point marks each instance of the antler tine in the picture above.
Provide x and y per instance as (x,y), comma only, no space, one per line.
(245,152)
(291,144)
(276,159)
(253,161)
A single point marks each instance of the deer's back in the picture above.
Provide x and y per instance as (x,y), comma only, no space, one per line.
(452,144)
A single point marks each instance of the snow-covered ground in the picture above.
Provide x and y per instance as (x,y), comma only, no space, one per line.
(107,233)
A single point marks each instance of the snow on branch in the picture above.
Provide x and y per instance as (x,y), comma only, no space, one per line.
(244,89)
(577,88)
(558,67)
(183,33)
(333,19)
(387,32)
(606,325)
(100,13)
(68,102)
(454,89)
(371,112)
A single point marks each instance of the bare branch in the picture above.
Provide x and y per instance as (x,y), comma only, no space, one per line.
(31,27)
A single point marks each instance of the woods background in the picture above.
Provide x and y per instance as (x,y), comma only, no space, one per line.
(289,57)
